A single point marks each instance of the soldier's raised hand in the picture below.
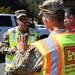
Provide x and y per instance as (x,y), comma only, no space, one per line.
(21,42)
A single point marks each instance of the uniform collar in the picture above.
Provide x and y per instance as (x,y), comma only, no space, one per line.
(60,31)
(23,32)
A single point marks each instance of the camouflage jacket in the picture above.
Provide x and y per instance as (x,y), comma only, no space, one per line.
(4,43)
(24,66)
(27,62)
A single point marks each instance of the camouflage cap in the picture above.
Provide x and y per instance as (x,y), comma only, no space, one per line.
(20,13)
(51,6)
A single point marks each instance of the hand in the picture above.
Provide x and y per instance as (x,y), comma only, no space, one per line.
(14,49)
(21,42)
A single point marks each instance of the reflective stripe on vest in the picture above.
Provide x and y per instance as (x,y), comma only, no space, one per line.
(32,36)
(57,59)
(42,46)
(13,34)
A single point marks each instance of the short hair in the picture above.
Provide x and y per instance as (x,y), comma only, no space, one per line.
(58,16)
(70,11)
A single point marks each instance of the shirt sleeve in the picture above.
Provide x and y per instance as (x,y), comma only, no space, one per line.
(27,62)
(4,44)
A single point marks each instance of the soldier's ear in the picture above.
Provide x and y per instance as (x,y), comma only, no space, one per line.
(48,22)
(45,20)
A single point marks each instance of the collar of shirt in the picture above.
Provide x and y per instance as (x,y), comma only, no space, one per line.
(60,31)
(23,32)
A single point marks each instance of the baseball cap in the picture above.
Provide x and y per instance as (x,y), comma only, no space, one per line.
(20,13)
(51,6)
(67,9)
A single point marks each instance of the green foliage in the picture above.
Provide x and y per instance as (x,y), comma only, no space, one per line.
(5,10)
(10,6)
(33,8)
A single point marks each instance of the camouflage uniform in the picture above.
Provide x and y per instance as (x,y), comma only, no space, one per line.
(26,62)
(4,47)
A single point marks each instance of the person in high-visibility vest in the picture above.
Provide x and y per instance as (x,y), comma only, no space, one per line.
(69,20)
(9,43)
(54,55)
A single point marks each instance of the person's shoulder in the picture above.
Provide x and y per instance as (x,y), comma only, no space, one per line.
(12,29)
(5,34)
(32,30)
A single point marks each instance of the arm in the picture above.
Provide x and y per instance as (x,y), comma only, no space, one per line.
(26,61)
(4,45)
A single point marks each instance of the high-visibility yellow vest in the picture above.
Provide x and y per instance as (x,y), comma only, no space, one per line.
(58,54)
(13,34)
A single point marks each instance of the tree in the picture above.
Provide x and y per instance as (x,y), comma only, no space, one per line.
(5,10)
(30,5)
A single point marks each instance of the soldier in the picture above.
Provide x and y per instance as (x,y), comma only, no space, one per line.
(9,43)
(53,55)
